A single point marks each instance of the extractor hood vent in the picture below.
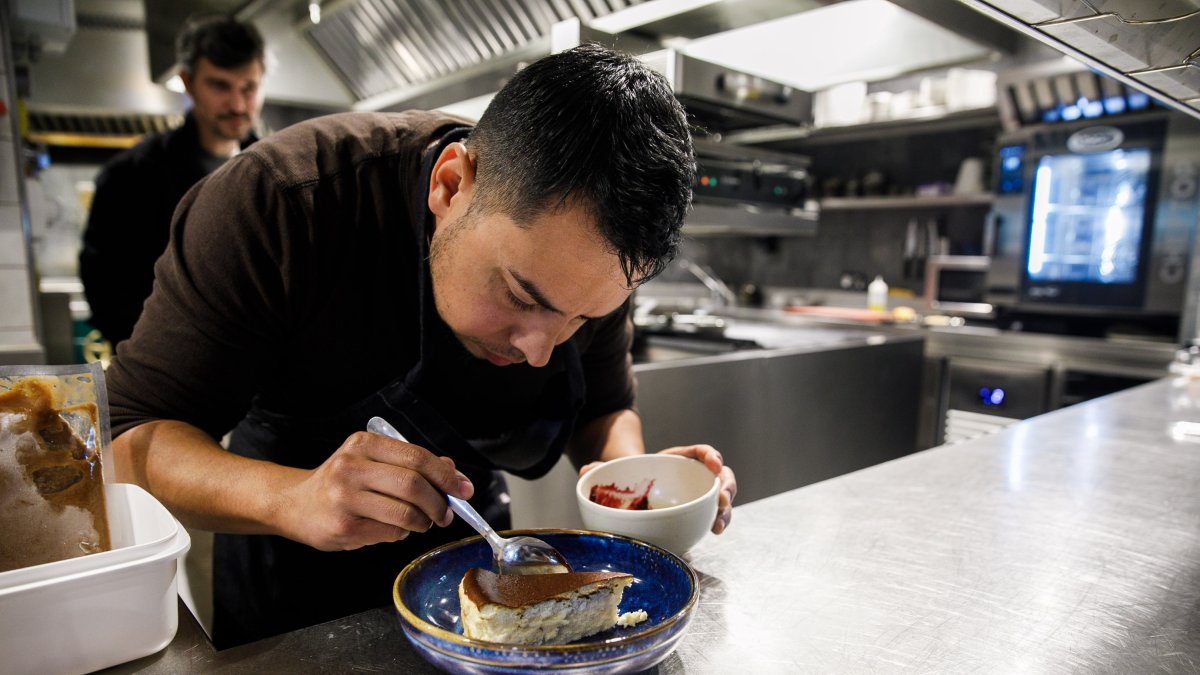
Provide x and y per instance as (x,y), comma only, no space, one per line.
(88,129)
(379,46)
(1152,46)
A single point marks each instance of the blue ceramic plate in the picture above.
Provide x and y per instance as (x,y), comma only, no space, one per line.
(426,595)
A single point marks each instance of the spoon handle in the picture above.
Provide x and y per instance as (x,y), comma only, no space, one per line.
(469,514)
(378,425)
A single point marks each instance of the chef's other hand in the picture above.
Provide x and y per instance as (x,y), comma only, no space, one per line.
(372,489)
(715,463)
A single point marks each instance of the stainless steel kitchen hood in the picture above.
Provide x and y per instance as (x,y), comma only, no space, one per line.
(396,54)
(1152,46)
(383,46)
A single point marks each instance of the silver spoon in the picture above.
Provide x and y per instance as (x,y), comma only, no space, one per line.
(518,555)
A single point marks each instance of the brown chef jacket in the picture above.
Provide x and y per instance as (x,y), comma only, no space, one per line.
(290,292)
(287,281)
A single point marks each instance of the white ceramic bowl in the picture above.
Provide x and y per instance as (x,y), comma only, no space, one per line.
(683,500)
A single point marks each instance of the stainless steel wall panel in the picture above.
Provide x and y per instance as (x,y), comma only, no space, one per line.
(789,418)
(839,411)
(718,403)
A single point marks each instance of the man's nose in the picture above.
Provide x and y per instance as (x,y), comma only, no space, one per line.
(537,338)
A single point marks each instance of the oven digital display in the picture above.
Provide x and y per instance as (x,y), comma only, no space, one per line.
(1088,216)
(1011,176)
(992,397)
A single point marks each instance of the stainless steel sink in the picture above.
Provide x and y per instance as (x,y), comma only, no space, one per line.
(677,335)
(670,346)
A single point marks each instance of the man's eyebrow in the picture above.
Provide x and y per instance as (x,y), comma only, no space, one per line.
(537,296)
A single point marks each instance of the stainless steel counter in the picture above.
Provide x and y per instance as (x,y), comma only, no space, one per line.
(1067,543)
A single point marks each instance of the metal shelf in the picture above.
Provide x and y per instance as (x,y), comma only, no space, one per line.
(932,121)
(869,203)
(744,220)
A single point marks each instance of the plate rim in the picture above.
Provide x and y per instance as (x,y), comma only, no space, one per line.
(423,626)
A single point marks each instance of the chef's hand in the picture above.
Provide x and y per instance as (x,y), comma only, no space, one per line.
(713,460)
(372,489)
(716,464)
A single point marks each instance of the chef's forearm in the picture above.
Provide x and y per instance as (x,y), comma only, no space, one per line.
(610,436)
(203,485)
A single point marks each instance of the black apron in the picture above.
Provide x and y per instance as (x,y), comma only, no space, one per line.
(264,585)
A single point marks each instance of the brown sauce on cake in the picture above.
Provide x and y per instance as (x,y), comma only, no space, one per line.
(518,590)
(51,491)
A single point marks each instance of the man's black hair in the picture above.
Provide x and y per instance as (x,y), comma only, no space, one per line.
(598,129)
(220,38)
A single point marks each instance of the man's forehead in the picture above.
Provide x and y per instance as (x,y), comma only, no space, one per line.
(250,70)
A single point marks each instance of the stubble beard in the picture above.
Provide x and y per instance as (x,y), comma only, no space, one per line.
(440,249)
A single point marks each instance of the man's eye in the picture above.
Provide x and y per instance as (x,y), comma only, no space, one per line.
(518,303)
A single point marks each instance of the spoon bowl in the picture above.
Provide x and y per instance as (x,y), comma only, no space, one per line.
(516,555)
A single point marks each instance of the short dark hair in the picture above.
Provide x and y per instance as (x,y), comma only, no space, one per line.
(596,128)
(220,38)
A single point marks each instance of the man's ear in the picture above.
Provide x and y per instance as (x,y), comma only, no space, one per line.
(186,78)
(452,178)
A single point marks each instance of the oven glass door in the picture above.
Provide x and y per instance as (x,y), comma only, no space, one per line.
(1088,216)
(1089,225)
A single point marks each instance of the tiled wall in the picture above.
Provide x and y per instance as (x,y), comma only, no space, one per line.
(18,335)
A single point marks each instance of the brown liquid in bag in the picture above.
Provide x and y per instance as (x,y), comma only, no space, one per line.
(51,490)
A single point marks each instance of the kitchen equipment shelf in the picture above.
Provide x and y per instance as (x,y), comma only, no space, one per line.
(910,202)
(706,219)
(941,122)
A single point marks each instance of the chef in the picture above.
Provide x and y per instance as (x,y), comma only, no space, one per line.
(222,61)
(470,285)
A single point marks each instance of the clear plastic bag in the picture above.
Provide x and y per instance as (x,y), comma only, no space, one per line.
(55,455)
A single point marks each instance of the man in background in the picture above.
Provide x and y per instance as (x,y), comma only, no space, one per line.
(221,64)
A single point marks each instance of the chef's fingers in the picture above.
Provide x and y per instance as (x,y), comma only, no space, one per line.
(588,467)
(393,512)
(410,488)
(725,501)
(365,532)
(728,482)
(440,474)
(705,453)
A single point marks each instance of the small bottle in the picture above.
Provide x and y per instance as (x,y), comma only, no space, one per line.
(877,293)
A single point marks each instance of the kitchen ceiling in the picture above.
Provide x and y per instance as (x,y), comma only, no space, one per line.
(847,41)
(385,53)
(382,47)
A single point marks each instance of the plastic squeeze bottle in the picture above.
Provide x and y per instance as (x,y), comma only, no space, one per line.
(877,293)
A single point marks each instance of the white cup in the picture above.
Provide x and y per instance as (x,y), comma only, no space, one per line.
(970,177)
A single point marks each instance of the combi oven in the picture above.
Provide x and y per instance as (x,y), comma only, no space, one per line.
(1096,216)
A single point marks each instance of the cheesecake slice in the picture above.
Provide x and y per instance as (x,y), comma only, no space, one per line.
(539,609)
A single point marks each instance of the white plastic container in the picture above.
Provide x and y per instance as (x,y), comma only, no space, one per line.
(88,613)
(877,295)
